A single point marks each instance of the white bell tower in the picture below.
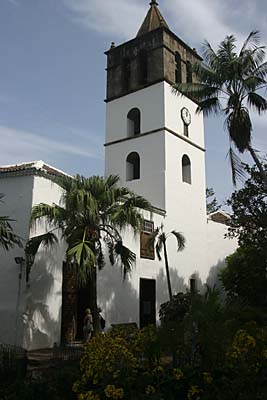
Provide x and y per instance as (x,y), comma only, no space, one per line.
(154,138)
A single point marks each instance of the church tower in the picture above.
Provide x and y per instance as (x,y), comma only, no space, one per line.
(154,138)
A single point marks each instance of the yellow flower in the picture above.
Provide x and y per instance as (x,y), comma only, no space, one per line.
(194,393)
(113,393)
(150,390)
(178,374)
(207,378)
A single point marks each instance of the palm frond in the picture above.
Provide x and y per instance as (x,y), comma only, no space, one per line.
(8,239)
(238,172)
(258,102)
(251,41)
(47,240)
(209,106)
(83,253)
(159,244)
(126,256)
(54,214)
(209,55)
(180,240)
(112,181)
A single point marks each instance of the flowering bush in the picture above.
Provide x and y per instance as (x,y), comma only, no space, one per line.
(132,365)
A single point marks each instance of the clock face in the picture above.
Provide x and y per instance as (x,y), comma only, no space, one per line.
(186,116)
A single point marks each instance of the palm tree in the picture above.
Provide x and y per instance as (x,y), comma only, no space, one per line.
(160,237)
(231,83)
(92,214)
(8,239)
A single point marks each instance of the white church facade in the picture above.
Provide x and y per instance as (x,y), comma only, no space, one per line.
(155,143)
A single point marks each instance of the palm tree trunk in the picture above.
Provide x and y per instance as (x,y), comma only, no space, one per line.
(167,270)
(93,300)
(259,164)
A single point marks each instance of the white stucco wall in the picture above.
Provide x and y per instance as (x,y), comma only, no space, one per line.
(17,205)
(35,311)
(43,295)
(161,182)
(219,248)
(149,101)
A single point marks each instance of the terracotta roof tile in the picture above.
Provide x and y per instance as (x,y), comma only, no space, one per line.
(32,166)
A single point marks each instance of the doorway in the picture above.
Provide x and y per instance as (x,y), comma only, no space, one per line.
(147,302)
(82,305)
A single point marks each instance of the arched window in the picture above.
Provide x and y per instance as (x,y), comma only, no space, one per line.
(186,169)
(132,166)
(189,75)
(142,67)
(133,122)
(126,74)
(178,68)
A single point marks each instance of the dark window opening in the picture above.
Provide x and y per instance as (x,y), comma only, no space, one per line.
(142,67)
(189,75)
(133,167)
(186,169)
(133,122)
(193,284)
(178,68)
(186,130)
(146,245)
(126,74)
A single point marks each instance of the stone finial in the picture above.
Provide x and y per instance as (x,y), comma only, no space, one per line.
(153,2)
(112,45)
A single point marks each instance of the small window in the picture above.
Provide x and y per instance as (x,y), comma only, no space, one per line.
(186,130)
(193,284)
(178,68)
(133,166)
(186,169)
(142,67)
(189,75)
(146,246)
(133,122)
(126,74)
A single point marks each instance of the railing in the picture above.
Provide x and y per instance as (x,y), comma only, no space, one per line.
(68,353)
(13,361)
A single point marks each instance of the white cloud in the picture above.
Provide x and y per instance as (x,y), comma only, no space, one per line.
(193,20)
(20,146)
(120,18)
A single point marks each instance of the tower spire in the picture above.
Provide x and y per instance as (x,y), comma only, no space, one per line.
(153,19)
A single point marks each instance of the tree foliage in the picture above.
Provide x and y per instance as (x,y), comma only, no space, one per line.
(211,201)
(159,239)
(230,83)
(92,214)
(249,206)
(8,239)
(245,276)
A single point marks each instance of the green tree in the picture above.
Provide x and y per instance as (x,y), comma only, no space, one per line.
(160,239)
(230,83)
(249,206)
(245,276)
(211,201)
(92,214)
(8,239)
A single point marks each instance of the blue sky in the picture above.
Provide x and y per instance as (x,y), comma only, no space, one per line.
(52,75)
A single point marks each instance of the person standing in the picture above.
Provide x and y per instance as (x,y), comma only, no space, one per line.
(87,325)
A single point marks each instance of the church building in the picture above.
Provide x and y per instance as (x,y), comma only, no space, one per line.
(155,143)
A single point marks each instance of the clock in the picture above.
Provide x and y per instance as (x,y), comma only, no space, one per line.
(186,116)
